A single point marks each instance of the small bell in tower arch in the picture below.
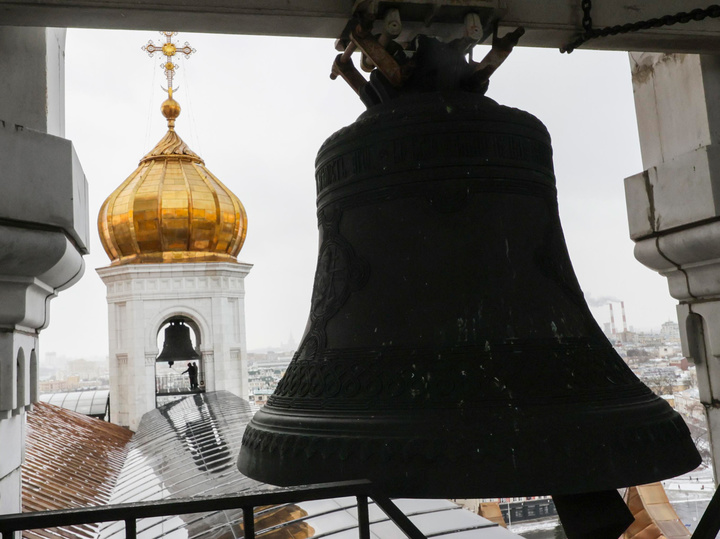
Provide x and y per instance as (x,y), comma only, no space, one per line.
(177,345)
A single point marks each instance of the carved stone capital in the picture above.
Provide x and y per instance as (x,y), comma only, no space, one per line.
(39,263)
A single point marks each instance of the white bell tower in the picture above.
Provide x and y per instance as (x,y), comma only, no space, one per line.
(172,231)
(142,298)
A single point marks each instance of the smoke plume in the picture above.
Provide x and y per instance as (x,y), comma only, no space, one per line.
(600,301)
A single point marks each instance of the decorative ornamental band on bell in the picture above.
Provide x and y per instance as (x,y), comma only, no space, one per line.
(449,350)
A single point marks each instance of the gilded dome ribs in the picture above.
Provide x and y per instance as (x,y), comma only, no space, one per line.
(186,234)
(172,209)
(130,220)
(217,210)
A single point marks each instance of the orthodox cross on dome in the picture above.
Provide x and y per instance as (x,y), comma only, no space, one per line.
(169,49)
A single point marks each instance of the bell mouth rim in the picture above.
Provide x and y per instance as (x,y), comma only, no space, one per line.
(436,462)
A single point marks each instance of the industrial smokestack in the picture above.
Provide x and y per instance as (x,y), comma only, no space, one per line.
(612,320)
(622,307)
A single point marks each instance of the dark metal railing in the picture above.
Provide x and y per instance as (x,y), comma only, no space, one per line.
(362,491)
(177,384)
(131,512)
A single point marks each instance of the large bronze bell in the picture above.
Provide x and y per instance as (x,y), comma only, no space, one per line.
(177,345)
(449,351)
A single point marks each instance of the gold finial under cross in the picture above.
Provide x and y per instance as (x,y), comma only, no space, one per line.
(169,49)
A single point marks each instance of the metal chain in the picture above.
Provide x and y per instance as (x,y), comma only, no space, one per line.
(712,11)
(587,19)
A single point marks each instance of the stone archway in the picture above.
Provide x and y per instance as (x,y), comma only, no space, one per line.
(183,373)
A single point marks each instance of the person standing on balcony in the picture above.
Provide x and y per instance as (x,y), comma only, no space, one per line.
(193,376)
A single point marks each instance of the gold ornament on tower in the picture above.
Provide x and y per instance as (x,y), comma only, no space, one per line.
(172,208)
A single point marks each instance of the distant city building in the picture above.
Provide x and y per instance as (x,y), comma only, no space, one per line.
(670,332)
(688,403)
(260,396)
(265,372)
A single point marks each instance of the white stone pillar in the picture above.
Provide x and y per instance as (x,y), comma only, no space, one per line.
(208,366)
(32,87)
(674,205)
(44,225)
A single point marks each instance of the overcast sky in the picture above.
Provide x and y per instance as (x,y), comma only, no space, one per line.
(257,109)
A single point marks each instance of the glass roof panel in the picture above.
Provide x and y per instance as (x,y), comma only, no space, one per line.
(89,402)
(84,402)
(71,400)
(188,448)
(100,401)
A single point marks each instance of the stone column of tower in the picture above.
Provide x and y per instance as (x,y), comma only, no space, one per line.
(43,225)
(172,231)
(674,204)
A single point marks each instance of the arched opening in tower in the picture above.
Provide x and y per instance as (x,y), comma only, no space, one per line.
(178,368)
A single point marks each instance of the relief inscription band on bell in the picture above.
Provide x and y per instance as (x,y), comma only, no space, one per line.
(439,150)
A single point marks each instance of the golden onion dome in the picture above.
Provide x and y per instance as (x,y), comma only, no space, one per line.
(172,208)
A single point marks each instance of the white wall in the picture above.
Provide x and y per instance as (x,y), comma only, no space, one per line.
(143,297)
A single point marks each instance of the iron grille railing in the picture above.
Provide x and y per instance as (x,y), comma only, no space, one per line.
(177,384)
(707,528)
(131,512)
